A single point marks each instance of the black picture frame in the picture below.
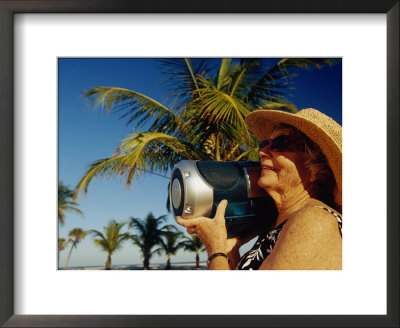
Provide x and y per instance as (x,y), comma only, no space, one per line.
(10,7)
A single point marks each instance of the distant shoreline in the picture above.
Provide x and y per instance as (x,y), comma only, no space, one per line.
(158,266)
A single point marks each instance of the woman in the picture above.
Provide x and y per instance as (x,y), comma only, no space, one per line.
(300,157)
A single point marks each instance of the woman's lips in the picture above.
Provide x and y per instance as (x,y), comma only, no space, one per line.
(267,168)
(267,171)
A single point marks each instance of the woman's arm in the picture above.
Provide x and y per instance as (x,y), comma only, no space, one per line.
(309,241)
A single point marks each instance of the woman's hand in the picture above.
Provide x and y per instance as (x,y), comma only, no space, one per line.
(212,232)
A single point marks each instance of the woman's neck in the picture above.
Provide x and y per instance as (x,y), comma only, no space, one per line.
(288,203)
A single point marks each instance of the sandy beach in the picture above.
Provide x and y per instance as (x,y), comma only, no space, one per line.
(176,266)
(181,266)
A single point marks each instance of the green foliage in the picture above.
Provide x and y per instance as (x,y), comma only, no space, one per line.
(111,240)
(170,244)
(66,198)
(193,244)
(62,244)
(204,117)
(75,236)
(148,234)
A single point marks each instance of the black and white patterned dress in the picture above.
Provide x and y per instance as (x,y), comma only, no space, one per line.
(253,259)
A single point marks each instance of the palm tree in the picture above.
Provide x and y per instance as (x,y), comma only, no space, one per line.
(76,235)
(111,240)
(170,244)
(194,244)
(204,121)
(148,234)
(62,244)
(66,198)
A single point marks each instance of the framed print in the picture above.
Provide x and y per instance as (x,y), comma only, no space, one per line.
(34,293)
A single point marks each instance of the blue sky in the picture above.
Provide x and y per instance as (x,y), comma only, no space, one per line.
(86,135)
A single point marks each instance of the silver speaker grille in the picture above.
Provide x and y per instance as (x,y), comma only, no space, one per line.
(198,196)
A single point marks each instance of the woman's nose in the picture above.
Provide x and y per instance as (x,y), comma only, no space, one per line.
(264,152)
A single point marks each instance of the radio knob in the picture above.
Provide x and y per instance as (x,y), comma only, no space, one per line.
(188,209)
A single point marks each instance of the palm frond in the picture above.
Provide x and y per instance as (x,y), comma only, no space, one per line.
(193,244)
(182,75)
(71,208)
(251,154)
(62,244)
(279,106)
(273,83)
(237,81)
(112,239)
(137,241)
(134,105)
(206,119)
(103,167)
(144,151)
(218,107)
(137,224)
(240,77)
(96,233)
(66,198)
(147,233)
(306,63)
(171,241)
(76,235)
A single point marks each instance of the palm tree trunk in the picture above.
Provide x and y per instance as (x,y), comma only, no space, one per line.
(197,260)
(108,263)
(146,263)
(217,152)
(168,262)
(69,255)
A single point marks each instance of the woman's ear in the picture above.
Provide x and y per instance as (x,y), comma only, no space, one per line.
(313,177)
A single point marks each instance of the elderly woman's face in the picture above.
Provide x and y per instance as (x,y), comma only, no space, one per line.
(282,170)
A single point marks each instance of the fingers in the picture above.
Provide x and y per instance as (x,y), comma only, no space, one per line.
(190,227)
(220,213)
(219,216)
(187,222)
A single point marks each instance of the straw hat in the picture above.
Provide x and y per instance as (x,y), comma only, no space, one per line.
(320,128)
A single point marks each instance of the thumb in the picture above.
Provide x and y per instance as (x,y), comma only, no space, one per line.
(220,213)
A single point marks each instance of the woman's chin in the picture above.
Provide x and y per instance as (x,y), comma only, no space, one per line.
(265,183)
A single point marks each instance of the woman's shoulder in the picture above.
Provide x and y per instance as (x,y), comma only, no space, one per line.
(309,240)
(315,216)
